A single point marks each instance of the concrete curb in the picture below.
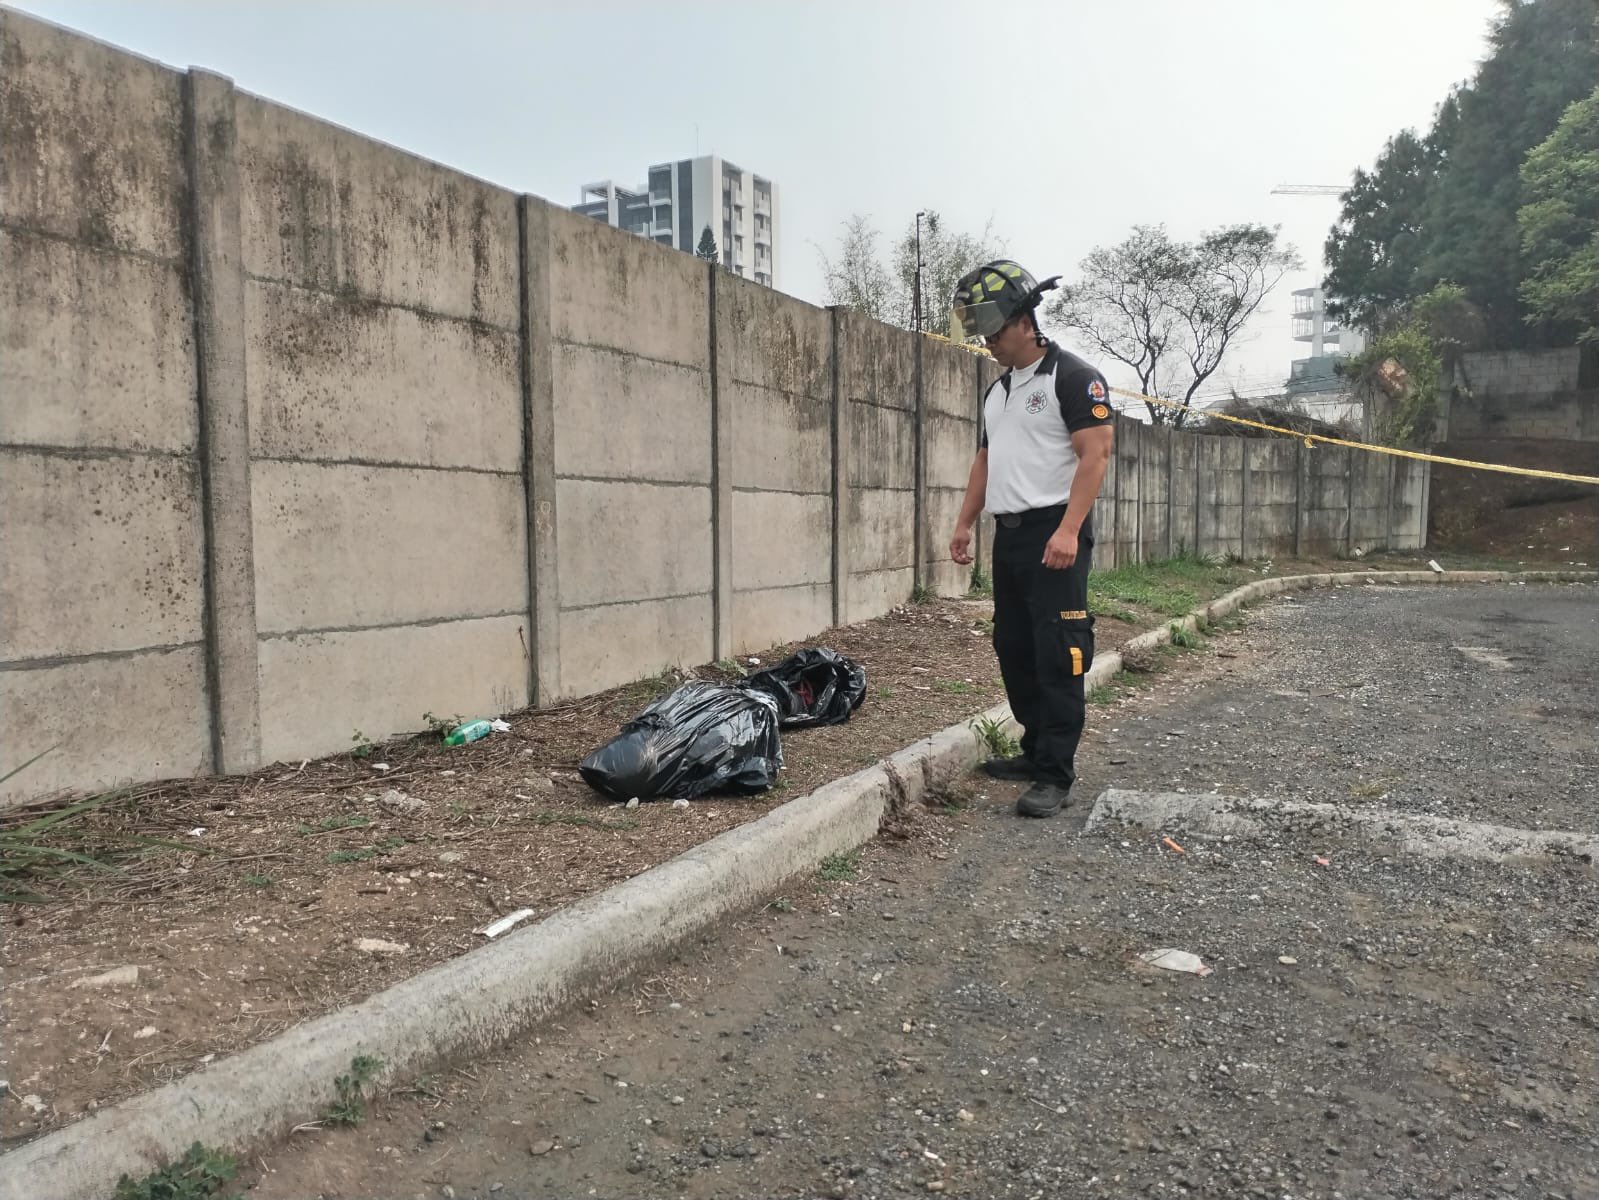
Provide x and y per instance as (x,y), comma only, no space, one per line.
(472,1003)
(1419,834)
(480,999)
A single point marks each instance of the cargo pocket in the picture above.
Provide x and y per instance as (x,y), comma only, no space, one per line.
(1075,631)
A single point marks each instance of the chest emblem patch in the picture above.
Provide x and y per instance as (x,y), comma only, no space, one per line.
(1037,401)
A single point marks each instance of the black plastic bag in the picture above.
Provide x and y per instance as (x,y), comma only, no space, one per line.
(814,687)
(703,737)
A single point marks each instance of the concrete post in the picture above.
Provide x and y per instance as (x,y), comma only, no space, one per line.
(1114,540)
(1138,520)
(216,275)
(1171,498)
(721,491)
(919,520)
(1301,483)
(538,461)
(840,437)
(1349,502)
(1243,499)
(1195,461)
(1388,519)
(980,528)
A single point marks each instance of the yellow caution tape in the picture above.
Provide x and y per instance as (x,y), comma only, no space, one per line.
(1310,439)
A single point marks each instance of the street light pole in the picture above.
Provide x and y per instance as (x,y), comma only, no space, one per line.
(916,283)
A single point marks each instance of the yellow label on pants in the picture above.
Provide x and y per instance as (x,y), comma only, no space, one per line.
(1077,661)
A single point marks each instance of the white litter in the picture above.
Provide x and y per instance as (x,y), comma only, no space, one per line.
(680,803)
(1288,960)
(1436,569)
(500,726)
(197,831)
(115,978)
(633,803)
(379,946)
(509,921)
(1176,960)
(380,766)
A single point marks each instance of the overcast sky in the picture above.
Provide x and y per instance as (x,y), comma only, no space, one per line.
(1064,123)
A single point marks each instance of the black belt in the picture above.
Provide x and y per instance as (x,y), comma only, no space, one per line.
(1031,516)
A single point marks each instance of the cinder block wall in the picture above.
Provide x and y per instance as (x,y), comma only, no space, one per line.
(1548,394)
(302,435)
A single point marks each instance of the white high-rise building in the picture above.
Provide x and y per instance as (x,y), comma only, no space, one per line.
(682,199)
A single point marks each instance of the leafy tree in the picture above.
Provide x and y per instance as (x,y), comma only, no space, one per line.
(1172,310)
(707,247)
(1445,205)
(1559,224)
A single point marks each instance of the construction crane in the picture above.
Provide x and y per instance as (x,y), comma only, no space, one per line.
(1309,189)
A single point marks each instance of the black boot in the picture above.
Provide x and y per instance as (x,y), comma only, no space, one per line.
(1042,800)
(1019,768)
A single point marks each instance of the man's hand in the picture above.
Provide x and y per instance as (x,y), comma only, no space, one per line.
(1061,551)
(960,546)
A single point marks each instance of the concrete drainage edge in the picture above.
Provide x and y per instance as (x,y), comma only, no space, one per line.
(480,999)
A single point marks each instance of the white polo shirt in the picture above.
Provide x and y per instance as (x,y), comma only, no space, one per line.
(1029,416)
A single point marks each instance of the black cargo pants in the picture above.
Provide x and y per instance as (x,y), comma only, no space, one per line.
(1043,637)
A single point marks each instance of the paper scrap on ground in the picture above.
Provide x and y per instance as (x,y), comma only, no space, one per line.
(506,922)
(1175,960)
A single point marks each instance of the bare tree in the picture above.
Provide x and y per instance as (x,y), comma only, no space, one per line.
(1171,310)
(856,278)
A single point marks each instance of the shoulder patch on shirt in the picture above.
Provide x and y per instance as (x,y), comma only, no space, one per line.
(1099,410)
(1096,391)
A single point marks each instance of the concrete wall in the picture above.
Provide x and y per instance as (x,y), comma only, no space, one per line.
(1544,394)
(303,435)
(102,534)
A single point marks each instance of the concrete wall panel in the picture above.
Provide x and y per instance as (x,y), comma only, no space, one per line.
(878,531)
(1153,532)
(773,341)
(317,689)
(882,447)
(604,647)
(328,209)
(776,616)
(335,378)
(780,440)
(877,363)
(92,141)
(945,577)
(621,417)
(96,349)
(873,593)
(340,546)
(613,289)
(631,541)
(951,445)
(949,381)
(98,554)
(781,539)
(111,720)
(1221,482)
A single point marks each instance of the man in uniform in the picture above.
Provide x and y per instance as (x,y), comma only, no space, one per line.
(1047,439)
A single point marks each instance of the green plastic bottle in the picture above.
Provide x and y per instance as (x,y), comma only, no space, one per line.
(470,732)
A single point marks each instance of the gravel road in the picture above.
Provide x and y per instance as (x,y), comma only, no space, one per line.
(969,1017)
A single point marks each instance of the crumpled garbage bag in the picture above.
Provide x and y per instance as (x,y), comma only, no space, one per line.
(701,738)
(814,687)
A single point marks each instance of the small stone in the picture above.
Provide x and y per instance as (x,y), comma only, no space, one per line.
(36,1103)
(677,1099)
(935,1185)
(965,1115)
(148,1031)
(451,856)
(496,1187)
(633,803)
(680,803)
(379,946)
(711,1148)
(1287,960)
(394,798)
(119,977)
(447,1192)
(541,1148)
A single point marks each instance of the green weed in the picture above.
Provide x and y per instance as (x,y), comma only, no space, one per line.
(362,746)
(198,1175)
(982,586)
(922,594)
(839,868)
(957,687)
(350,1107)
(1185,638)
(258,881)
(999,742)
